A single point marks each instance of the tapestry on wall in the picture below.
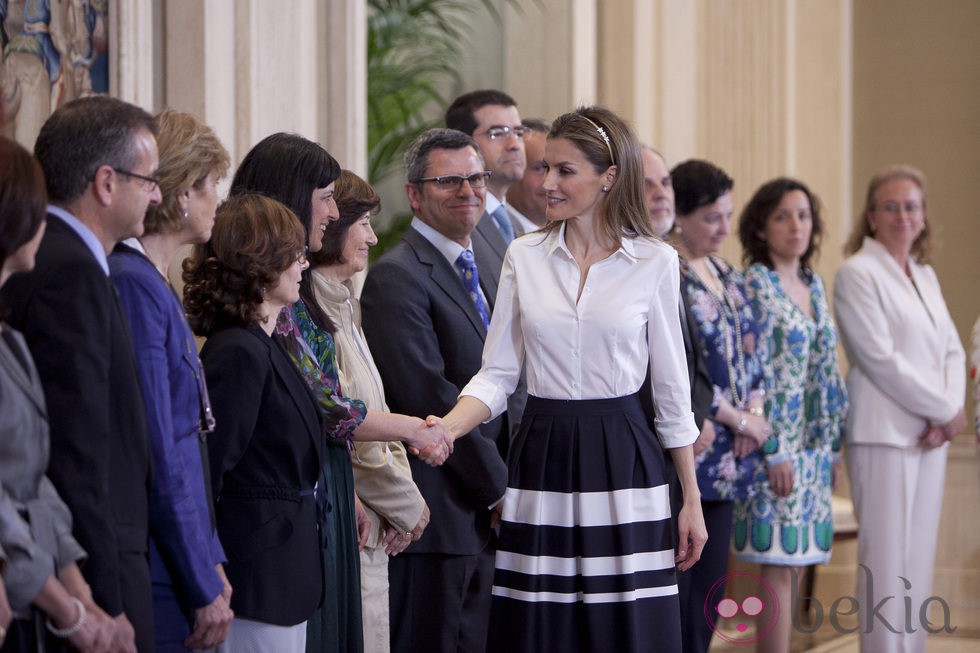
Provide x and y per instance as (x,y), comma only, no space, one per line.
(53,51)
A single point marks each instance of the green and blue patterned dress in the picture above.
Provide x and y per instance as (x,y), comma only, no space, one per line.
(806,403)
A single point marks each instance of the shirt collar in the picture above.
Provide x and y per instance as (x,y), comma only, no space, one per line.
(493,203)
(87,235)
(627,246)
(450,249)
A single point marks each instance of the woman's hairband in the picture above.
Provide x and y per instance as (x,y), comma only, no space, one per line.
(602,132)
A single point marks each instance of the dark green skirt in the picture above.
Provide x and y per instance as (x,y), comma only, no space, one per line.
(336,625)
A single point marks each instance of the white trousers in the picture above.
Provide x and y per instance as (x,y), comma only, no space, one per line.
(247,636)
(374,600)
(898,497)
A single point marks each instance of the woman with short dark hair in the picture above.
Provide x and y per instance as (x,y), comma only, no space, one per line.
(729,336)
(266,449)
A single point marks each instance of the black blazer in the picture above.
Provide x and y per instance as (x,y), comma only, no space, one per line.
(265,456)
(427,340)
(70,315)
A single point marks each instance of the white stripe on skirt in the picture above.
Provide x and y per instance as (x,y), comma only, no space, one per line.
(598,566)
(572,597)
(609,508)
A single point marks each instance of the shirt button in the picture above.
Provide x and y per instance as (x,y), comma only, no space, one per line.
(575,353)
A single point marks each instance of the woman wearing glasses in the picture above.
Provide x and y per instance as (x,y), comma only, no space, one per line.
(301,174)
(906,384)
(190,591)
(267,447)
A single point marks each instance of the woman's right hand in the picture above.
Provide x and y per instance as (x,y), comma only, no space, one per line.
(431,441)
(5,613)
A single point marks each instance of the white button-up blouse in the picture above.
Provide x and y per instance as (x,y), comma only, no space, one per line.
(597,347)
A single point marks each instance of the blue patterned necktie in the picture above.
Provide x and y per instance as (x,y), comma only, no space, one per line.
(471,279)
(506,229)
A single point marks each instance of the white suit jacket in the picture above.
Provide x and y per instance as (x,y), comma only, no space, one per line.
(907,365)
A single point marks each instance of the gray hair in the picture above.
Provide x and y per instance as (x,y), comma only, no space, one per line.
(439,138)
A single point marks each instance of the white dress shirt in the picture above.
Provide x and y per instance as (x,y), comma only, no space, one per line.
(598,347)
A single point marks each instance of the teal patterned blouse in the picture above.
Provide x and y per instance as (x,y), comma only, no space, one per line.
(313,352)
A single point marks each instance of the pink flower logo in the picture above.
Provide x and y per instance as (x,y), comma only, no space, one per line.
(719,610)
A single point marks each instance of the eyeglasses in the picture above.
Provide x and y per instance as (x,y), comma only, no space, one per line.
(455,182)
(502,131)
(149,183)
(895,208)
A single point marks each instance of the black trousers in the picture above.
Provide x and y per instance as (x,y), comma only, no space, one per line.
(440,603)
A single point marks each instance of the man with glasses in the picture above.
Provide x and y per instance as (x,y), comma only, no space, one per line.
(425,308)
(99,156)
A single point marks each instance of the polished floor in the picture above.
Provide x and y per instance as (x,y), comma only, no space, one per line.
(849,644)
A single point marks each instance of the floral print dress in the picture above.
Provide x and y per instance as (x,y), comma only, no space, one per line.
(718,471)
(806,403)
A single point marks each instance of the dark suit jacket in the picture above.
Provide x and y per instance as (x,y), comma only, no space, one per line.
(265,455)
(70,315)
(702,390)
(427,340)
(488,250)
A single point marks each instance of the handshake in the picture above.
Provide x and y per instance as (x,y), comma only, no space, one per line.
(431,441)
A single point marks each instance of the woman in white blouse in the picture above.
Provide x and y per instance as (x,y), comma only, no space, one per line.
(585,559)
(906,384)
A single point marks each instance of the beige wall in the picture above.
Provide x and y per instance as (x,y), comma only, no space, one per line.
(917,101)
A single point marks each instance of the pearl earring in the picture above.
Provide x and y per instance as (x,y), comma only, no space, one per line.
(183,214)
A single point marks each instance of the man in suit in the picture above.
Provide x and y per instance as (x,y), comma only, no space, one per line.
(527,199)
(491,118)
(99,156)
(424,310)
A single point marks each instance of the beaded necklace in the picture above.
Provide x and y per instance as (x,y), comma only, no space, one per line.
(738,395)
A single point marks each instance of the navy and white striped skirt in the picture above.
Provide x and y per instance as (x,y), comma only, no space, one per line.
(585,557)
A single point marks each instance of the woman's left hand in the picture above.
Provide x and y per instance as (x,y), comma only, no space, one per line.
(955,426)
(932,437)
(691,535)
(363,523)
(781,478)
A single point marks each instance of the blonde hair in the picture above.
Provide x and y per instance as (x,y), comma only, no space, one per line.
(606,140)
(189,152)
(922,246)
